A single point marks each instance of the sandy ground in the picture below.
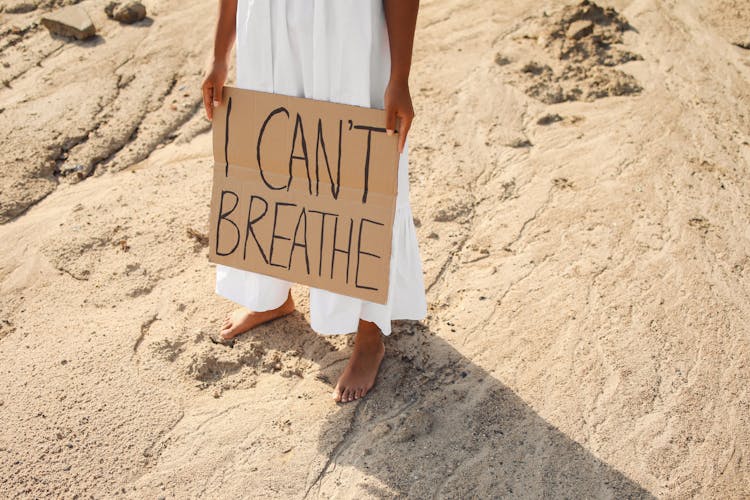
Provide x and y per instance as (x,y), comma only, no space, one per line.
(582,196)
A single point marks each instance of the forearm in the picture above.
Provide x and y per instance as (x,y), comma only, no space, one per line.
(225,30)
(401,19)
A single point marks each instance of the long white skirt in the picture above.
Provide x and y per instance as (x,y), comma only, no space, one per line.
(332,50)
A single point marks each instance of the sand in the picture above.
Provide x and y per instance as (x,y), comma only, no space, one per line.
(582,212)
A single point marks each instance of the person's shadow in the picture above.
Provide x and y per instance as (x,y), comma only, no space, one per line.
(435,414)
(437,425)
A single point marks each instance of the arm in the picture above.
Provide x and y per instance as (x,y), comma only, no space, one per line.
(223,41)
(401,19)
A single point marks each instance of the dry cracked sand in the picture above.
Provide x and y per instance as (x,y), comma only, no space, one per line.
(580,187)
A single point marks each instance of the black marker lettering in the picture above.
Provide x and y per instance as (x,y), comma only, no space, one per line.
(274,236)
(302,216)
(249,230)
(322,234)
(298,127)
(370,130)
(348,250)
(362,252)
(223,216)
(260,138)
(226,138)
(320,144)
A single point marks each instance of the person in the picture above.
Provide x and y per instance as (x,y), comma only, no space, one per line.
(342,51)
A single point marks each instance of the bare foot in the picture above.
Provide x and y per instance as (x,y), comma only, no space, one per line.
(360,373)
(242,320)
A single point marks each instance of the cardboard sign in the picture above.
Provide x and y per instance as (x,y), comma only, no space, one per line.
(305,191)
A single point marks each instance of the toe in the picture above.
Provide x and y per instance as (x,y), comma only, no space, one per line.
(360,392)
(336,393)
(347,395)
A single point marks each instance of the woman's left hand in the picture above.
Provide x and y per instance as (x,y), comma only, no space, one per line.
(398,106)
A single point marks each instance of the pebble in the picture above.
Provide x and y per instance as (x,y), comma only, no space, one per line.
(126,12)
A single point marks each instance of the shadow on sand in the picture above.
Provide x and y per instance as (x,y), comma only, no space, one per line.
(405,438)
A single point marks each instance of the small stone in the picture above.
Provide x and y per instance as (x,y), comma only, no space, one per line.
(71,21)
(549,119)
(127,12)
(501,60)
(520,142)
(579,29)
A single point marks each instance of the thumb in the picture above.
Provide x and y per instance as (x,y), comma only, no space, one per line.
(390,121)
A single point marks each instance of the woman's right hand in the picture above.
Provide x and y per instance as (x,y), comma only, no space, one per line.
(213,86)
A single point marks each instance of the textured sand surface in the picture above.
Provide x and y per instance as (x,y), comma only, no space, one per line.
(582,197)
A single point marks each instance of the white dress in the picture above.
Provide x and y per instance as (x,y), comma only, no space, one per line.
(332,50)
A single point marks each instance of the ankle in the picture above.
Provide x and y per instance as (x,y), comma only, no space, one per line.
(369,337)
(288,303)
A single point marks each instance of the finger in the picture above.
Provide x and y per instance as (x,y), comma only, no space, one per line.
(403,132)
(207,95)
(218,92)
(390,121)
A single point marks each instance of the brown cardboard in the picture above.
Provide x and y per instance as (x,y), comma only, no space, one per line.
(266,221)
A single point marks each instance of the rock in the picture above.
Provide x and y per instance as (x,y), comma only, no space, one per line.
(501,60)
(70,21)
(80,170)
(127,12)
(20,7)
(520,142)
(109,9)
(579,29)
(549,119)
